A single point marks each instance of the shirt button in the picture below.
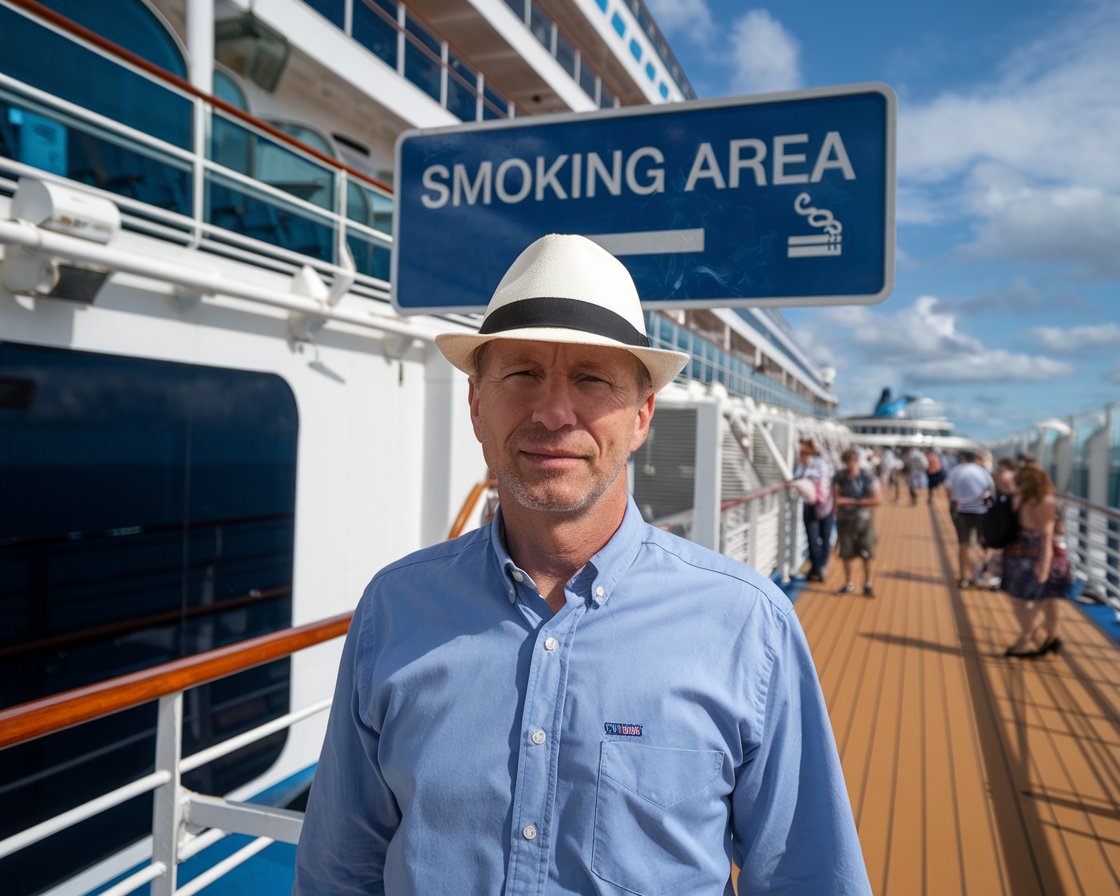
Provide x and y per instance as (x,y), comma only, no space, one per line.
(538,737)
(517,576)
(600,593)
(529,832)
(550,643)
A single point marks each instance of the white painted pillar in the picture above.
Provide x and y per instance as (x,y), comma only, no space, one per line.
(448,471)
(707,476)
(200,72)
(200,44)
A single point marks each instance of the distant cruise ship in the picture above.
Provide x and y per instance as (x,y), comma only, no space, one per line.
(906,422)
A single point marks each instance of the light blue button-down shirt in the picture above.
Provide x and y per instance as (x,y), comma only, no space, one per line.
(666,721)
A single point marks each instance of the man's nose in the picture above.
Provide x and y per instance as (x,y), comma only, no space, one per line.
(555,407)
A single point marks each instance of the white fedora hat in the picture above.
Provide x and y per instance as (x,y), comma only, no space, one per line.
(566,288)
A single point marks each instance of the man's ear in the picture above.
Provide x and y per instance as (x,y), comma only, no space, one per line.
(641,430)
(473,399)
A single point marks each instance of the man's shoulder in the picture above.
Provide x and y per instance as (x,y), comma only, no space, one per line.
(707,565)
(440,553)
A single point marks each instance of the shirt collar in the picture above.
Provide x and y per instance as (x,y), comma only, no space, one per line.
(601,574)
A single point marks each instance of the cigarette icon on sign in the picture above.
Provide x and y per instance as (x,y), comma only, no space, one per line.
(817,244)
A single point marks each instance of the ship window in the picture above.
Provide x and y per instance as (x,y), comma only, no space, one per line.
(636,49)
(618,24)
(130,24)
(148,515)
(375,27)
(227,89)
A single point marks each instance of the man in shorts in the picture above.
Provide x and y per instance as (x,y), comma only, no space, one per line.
(856,491)
(970,488)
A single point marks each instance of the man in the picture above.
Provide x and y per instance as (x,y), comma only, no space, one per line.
(857,491)
(970,487)
(817,512)
(570,701)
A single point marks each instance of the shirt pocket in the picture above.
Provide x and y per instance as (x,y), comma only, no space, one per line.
(659,817)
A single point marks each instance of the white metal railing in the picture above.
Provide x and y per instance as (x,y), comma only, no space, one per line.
(184,822)
(309,205)
(1092,535)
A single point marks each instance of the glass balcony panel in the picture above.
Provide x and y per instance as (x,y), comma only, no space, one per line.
(334,11)
(239,209)
(518,7)
(588,81)
(91,81)
(381,207)
(272,162)
(374,26)
(565,54)
(370,257)
(422,59)
(541,26)
(462,96)
(494,105)
(606,98)
(357,203)
(117,166)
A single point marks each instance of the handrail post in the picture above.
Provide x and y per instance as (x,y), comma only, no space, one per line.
(167,806)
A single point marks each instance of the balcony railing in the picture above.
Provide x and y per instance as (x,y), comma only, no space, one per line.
(235,185)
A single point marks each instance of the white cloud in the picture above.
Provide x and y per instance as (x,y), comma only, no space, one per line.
(1076,225)
(1076,340)
(1053,115)
(988,366)
(919,345)
(765,56)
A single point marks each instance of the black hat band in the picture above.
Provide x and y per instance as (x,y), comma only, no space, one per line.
(570,314)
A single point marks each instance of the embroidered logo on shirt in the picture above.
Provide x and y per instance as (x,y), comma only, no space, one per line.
(627,729)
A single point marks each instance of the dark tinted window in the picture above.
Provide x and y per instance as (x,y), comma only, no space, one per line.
(90,80)
(148,514)
(127,23)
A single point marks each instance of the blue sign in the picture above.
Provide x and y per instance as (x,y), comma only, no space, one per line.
(780,200)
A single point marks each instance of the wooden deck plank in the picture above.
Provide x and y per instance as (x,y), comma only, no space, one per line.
(968,772)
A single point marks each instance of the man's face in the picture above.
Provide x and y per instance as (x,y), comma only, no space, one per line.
(558,422)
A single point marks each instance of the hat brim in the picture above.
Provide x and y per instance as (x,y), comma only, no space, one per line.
(459,349)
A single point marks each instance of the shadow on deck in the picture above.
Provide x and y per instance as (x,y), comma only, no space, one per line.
(968,772)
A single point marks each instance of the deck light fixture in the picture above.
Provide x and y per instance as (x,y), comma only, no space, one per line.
(61,209)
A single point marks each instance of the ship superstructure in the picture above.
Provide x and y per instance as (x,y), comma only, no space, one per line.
(213,425)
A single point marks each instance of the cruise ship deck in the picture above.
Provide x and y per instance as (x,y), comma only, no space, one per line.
(968,772)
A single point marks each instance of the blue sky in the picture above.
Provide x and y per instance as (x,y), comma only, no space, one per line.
(1006,306)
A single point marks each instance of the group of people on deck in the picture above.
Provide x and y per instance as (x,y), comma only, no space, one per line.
(1008,526)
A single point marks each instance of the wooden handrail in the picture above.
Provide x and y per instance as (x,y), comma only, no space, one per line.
(754,496)
(468,507)
(58,712)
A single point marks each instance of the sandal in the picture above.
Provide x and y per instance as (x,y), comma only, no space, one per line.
(847,589)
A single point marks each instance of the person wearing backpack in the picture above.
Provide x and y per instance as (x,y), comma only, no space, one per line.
(999,527)
(969,486)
